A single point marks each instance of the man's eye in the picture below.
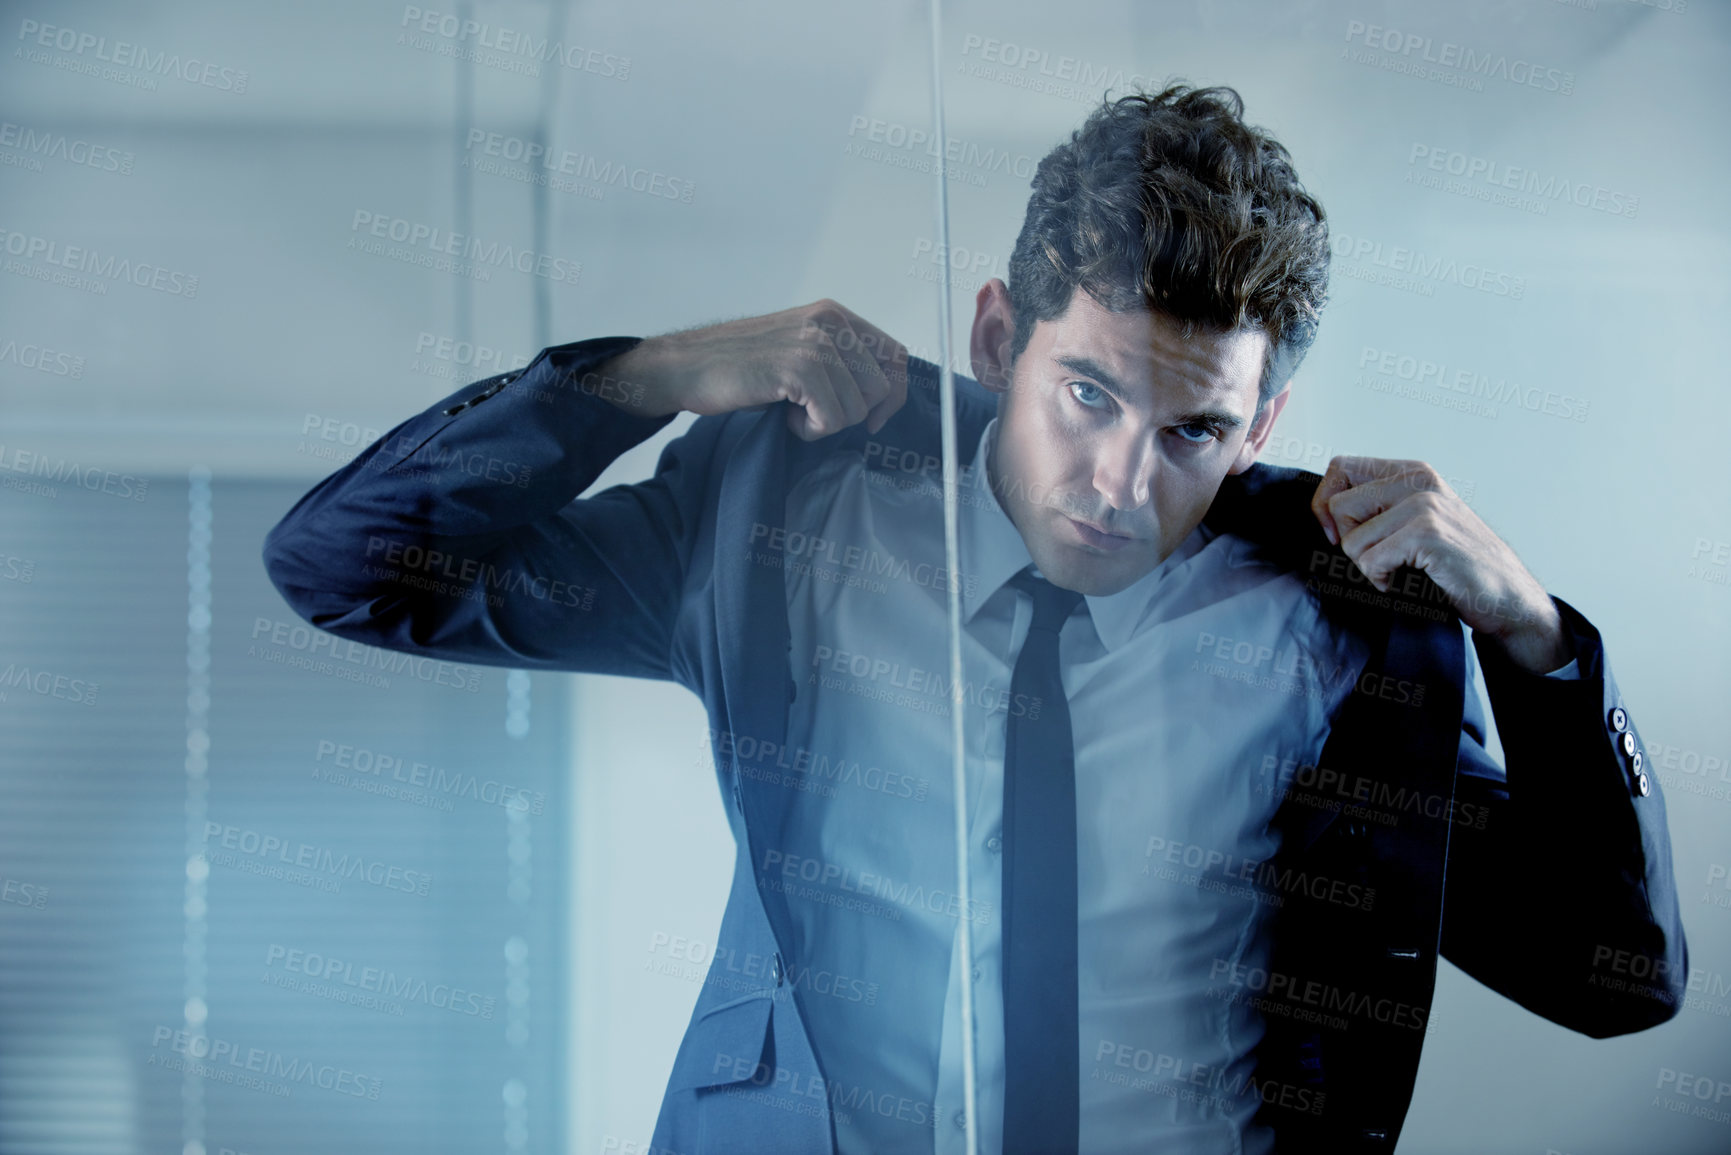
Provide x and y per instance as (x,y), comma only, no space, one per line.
(1089,394)
(1195,433)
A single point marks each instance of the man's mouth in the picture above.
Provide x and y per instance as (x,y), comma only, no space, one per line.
(1093,535)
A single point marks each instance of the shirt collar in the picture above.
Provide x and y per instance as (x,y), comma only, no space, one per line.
(992,552)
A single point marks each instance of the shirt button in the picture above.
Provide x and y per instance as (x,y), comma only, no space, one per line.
(994,844)
(977,973)
(776,970)
(961,1120)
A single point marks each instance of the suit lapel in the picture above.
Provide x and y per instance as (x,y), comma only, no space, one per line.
(751,591)
(1394,745)
(751,621)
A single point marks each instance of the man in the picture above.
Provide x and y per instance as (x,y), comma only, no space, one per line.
(1216,720)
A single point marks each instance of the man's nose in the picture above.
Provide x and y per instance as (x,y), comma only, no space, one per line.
(1124,472)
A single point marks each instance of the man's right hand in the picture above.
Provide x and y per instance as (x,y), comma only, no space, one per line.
(833,365)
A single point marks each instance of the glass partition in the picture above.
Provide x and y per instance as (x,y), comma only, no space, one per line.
(889,708)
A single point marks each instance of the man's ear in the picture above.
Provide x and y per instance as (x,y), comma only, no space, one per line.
(993,335)
(1259,431)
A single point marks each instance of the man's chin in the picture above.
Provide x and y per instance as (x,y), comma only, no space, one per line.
(1092,575)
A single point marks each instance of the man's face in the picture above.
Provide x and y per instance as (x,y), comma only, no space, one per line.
(1114,432)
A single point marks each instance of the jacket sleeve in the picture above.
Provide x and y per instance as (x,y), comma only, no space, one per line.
(456,535)
(1559,890)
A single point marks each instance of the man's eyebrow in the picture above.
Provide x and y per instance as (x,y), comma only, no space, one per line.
(1090,368)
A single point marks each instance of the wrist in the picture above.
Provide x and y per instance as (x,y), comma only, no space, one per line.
(642,381)
(1536,640)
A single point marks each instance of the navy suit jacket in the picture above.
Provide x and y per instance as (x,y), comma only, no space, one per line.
(457,535)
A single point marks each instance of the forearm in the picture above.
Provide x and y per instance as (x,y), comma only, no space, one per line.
(1572,868)
(456,534)
(645,380)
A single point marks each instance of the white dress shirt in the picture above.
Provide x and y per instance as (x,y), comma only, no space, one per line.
(1188,692)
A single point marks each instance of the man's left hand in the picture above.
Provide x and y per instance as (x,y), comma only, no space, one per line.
(1385,514)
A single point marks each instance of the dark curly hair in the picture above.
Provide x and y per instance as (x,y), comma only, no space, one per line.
(1171,202)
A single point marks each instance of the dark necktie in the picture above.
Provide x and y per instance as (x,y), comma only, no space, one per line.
(1041,1061)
